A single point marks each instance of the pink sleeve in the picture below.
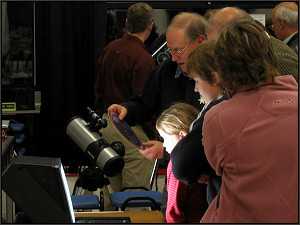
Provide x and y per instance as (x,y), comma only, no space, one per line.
(177,195)
(213,142)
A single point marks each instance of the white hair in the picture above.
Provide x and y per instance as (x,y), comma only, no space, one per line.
(289,16)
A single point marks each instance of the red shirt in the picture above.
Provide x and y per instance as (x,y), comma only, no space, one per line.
(186,203)
(123,67)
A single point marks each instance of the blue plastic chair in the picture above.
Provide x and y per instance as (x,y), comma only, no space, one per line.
(87,201)
(16,129)
(90,201)
(146,198)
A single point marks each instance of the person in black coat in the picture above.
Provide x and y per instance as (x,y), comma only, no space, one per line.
(189,161)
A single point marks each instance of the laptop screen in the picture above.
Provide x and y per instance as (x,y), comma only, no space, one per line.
(38,186)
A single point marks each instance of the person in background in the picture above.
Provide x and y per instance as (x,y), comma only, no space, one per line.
(285,23)
(287,59)
(188,156)
(251,140)
(185,202)
(209,13)
(123,66)
(167,84)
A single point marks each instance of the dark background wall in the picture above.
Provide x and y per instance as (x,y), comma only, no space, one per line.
(69,38)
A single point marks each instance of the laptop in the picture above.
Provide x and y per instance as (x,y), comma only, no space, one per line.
(39,188)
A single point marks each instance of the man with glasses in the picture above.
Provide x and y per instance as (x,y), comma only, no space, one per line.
(285,23)
(167,83)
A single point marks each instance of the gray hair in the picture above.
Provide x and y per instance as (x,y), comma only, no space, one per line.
(289,16)
(139,17)
(193,23)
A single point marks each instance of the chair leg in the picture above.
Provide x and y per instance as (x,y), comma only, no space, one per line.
(154,174)
(101,201)
(77,187)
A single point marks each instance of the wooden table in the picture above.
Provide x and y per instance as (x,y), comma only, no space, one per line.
(135,217)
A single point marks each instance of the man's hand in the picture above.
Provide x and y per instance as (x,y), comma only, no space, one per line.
(156,150)
(118,109)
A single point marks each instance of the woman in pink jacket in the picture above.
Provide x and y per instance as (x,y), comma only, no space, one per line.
(251,140)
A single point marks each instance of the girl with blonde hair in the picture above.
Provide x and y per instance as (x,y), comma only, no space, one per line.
(185,202)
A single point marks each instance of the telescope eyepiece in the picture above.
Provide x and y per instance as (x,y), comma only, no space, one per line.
(96,122)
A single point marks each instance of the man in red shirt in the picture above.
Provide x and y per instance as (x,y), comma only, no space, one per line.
(124,65)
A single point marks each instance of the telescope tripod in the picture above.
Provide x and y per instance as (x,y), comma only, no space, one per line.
(91,179)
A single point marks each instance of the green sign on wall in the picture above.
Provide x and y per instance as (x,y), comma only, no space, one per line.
(8,106)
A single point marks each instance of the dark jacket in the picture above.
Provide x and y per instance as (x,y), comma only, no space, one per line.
(293,42)
(160,90)
(189,160)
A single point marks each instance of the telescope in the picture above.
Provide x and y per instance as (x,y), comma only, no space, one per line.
(86,135)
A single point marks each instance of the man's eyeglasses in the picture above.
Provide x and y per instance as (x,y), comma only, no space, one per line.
(177,52)
(274,22)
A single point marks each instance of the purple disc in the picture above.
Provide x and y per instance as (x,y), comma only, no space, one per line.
(125,131)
